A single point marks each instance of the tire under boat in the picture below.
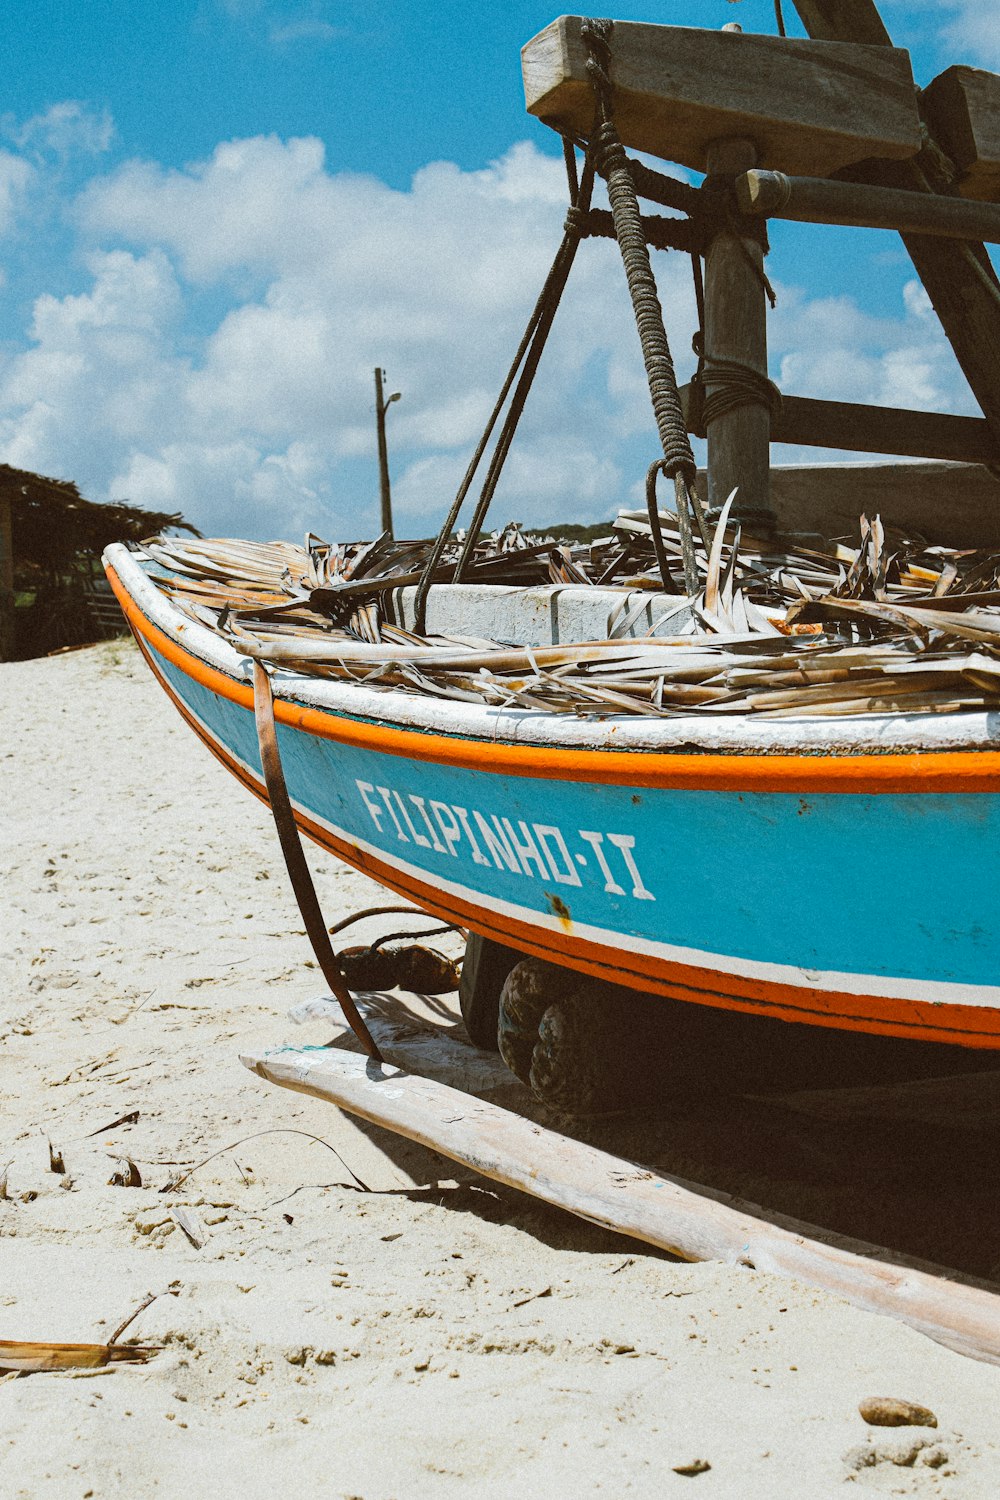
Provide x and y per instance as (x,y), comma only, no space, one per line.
(837,873)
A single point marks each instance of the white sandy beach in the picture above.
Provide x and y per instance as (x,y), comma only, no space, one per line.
(435,1336)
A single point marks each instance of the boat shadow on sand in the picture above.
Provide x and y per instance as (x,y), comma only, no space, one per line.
(905,1164)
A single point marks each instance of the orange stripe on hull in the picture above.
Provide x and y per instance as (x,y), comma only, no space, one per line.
(924,771)
(960,1025)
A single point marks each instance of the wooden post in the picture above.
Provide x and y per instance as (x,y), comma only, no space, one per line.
(381,407)
(736,329)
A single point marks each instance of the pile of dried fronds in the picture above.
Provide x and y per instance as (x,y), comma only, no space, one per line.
(783,626)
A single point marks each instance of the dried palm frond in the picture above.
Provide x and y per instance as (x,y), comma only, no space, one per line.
(29,1358)
(784,625)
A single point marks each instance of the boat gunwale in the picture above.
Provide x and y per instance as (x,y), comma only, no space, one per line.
(958,752)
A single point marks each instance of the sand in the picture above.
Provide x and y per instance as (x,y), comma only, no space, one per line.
(434,1335)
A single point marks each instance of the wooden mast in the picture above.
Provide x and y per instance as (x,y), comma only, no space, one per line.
(958,278)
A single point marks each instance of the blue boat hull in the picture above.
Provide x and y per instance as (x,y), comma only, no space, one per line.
(872,907)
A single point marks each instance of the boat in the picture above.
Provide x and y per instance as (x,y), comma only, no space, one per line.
(841,872)
(834,869)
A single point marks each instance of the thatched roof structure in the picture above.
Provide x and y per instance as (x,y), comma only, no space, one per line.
(53,525)
(51,540)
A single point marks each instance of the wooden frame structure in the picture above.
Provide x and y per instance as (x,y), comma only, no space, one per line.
(749,110)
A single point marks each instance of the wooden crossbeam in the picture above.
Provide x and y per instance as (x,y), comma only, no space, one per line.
(807,108)
(958,278)
(818,200)
(876,429)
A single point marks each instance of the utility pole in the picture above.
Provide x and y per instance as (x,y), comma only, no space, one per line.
(381,407)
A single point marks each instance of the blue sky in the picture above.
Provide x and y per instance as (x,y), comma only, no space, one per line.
(216,216)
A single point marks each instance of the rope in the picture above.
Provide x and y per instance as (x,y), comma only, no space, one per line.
(612,163)
(734,385)
(710,209)
(547,306)
(539,323)
(669,587)
(661,233)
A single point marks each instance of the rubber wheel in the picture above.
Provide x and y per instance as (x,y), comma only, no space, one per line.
(576,1042)
(484,972)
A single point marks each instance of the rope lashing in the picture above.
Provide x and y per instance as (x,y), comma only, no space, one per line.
(612,163)
(733,385)
(660,233)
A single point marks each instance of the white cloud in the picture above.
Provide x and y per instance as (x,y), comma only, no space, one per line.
(283,28)
(67,128)
(827,347)
(974,29)
(434,284)
(965,31)
(98,375)
(258,416)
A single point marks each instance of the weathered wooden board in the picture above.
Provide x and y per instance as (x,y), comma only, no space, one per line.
(954,505)
(879,429)
(810,107)
(963,111)
(673,1215)
(421,1048)
(885,429)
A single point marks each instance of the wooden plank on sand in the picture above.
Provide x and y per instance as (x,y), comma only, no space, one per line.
(808,107)
(629,1199)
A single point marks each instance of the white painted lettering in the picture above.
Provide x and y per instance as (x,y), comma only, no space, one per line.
(526,852)
(595,840)
(417,838)
(448,824)
(497,844)
(625,843)
(364,787)
(383,792)
(463,817)
(418,803)
(538,851)
(567,875)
